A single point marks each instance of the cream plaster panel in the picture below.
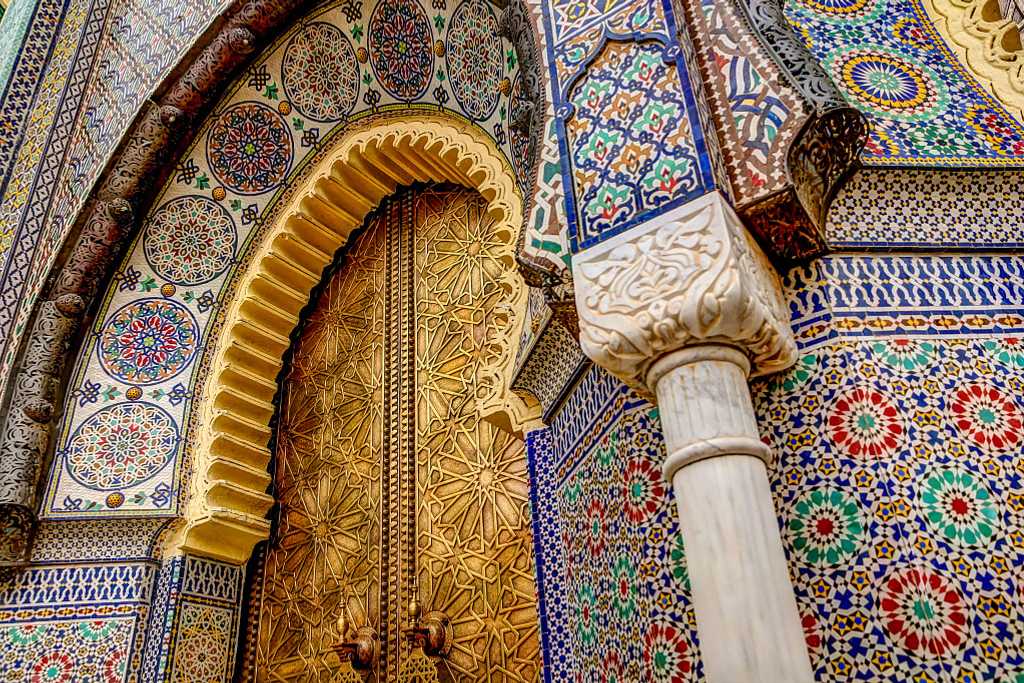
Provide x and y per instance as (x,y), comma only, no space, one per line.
(989,45)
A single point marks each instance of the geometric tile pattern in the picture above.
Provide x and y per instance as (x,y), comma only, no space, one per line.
(889,60)
(93,540)
(627,118)
(550,365)
(612,579)
(538,313)
(205,644)
(84,650)
(917,209)
(846,296)
(194,627)
(898,483)
(64,623)
(900,494)
(154,320)
(897,480)
(587,409)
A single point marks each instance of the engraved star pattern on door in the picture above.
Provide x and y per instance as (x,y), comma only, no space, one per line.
(327,546)
(474,544)
(384,471)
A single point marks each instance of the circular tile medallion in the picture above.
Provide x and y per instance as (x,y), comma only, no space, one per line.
(249,148)
(121,445)
(148,341)
(401,48)
(190,240)
(887,84)
(475,58)
(320,74)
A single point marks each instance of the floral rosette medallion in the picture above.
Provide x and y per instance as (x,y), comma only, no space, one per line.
(826,527)
(121,446)
(958,506)
(148,341)
(987,417)
(923,612)
(864,424)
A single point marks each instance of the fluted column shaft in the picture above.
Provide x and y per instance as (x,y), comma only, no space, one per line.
(679,308)
(746,613)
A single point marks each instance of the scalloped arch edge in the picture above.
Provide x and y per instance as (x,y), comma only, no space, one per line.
(226,512)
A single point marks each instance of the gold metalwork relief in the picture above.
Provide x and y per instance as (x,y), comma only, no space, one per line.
(389,485)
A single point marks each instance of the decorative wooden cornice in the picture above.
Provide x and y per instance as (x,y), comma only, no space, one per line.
(825,153)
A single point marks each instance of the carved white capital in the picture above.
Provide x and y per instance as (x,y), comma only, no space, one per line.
(690,276)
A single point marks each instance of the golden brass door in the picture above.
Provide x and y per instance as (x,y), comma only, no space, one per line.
(389,486)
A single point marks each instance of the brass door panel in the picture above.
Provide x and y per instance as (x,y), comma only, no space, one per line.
(388,483)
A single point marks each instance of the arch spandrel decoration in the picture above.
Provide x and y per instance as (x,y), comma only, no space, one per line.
(989,45)
(227,503)
(190,285)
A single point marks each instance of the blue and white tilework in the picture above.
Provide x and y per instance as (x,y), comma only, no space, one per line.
(611,572)
(81,623)
(914,209)
(632,136)
(194,627)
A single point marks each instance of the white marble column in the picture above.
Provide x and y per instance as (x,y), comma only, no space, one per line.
(684,308)
(747,616)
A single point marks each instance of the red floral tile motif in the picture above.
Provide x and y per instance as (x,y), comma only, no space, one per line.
(53,666)
(865,424)
(612,672)
(665,655)
(645,489)
(923,612)
(986,416)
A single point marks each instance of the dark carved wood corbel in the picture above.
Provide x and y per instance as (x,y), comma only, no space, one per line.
(26,435)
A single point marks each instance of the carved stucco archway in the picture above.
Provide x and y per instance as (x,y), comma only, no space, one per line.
(988,45)
(225,515)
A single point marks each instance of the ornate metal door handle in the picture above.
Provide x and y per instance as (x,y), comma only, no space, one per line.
(361,648)
(433,631)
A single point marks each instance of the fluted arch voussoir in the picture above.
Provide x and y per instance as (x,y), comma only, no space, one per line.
(228,502)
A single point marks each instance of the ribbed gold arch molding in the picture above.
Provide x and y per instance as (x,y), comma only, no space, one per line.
(225,515)
(989,45)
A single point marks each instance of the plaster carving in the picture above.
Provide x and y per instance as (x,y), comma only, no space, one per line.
(227,503)
(687,277)
(989,44)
